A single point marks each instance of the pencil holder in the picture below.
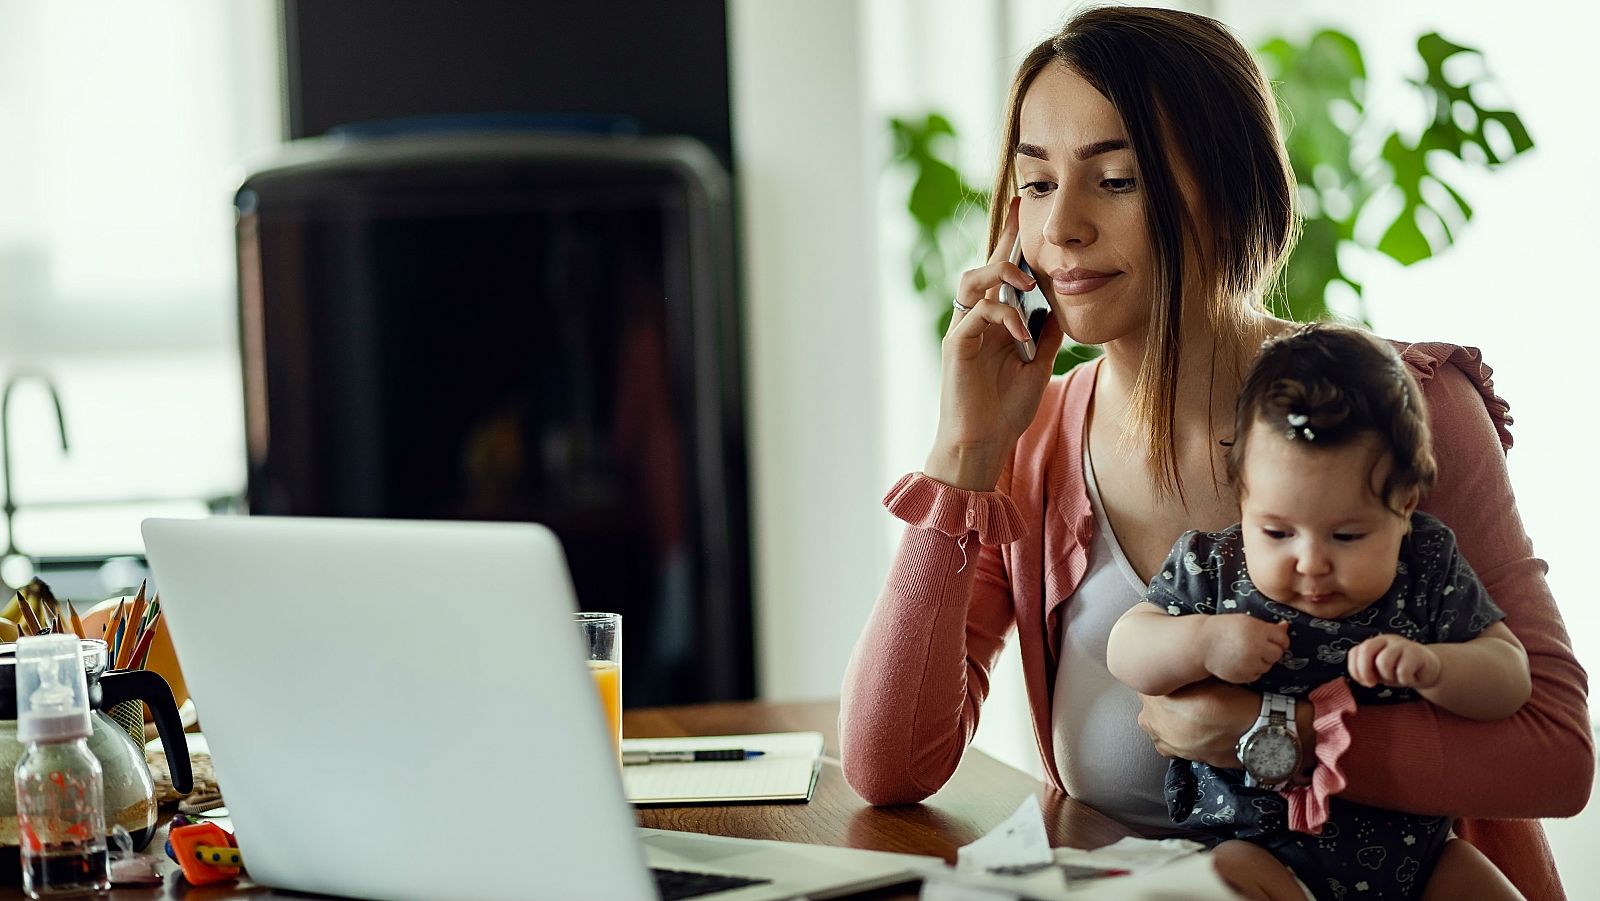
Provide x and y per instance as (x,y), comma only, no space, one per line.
(130,716)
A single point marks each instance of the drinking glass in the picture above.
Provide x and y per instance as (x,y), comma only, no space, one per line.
(602,641)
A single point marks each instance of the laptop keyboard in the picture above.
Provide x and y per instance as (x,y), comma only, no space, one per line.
(676,884)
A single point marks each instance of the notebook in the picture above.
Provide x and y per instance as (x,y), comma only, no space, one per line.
(787,771)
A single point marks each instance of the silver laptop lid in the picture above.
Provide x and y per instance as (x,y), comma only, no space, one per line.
(399,709)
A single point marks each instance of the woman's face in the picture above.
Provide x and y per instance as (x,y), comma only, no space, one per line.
(1082,214)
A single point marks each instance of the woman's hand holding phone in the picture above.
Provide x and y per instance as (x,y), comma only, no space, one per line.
(988,394)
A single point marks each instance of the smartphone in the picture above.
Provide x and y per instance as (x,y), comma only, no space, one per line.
(1031,304)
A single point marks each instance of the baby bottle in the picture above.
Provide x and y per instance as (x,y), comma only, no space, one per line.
(60,793)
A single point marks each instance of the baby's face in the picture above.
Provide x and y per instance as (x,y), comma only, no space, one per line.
(1317,536)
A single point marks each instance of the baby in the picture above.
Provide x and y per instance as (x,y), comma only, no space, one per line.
(1331,572)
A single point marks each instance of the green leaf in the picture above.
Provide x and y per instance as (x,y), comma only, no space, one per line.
(1337,59)
(1404,240)
(1071,354)
(935,194)
(1461,202)
(1277,56)
(1314,265)
(1521,142)
(1434,50)
(1444,94)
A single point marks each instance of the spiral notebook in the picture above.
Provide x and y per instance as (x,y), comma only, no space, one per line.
(787,770)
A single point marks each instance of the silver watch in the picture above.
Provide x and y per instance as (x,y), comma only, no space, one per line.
(1270,749)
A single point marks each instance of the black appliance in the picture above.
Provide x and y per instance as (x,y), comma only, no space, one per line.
(514,327)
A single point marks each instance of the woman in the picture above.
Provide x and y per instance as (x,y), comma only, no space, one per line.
(1153,199)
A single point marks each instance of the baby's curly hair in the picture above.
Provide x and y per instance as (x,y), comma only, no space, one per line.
(1327,385)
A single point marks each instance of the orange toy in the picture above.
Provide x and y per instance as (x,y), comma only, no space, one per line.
(206,852)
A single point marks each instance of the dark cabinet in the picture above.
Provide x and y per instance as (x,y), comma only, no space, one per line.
(514,326)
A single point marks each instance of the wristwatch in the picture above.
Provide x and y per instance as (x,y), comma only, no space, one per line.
(1270,749)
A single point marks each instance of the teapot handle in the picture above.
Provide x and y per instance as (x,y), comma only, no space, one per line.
(149,687)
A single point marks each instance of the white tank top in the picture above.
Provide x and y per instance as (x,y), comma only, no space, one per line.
(1103,756)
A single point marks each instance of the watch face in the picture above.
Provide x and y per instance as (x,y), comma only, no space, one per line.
(1271,755)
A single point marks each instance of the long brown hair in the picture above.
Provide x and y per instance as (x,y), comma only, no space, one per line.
(1185,87)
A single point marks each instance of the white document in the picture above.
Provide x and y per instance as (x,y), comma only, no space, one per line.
(1018,842)
(1014,861)
(786,771)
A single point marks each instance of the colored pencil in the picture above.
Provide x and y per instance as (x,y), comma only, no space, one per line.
(140,650)
(31,619)
(126,636)
(110,634)
(135,616)
(77,624)
(140,660)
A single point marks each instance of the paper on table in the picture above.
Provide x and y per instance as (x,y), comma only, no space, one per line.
(1014,861)
(787,771)
(1136,855)
(1018,842)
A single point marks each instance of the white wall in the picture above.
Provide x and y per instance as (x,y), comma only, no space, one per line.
(813,338)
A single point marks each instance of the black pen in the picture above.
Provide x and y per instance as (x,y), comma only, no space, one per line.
(632,758)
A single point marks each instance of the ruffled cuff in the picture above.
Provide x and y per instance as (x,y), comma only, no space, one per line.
(1308,804)
(928,503)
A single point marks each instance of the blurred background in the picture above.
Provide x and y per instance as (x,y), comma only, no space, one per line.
(649,244)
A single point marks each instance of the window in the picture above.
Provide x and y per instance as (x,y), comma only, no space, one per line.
(127,129)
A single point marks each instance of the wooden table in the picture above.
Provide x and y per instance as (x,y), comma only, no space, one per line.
(981,794)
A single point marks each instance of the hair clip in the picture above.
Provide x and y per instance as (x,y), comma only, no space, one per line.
(1298,428)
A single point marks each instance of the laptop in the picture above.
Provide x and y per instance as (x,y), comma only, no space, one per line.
(401,710)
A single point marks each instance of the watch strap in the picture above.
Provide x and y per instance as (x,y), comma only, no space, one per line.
(1280,708)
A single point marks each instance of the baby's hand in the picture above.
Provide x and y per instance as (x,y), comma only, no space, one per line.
(1240,648)
(1393,660)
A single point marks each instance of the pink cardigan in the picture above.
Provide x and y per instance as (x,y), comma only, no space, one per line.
(921,668)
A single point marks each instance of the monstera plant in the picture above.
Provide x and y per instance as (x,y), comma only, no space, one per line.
(1320,85)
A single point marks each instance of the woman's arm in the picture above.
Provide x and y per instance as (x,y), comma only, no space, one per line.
(1482,679)
(1203,722)
(920,670)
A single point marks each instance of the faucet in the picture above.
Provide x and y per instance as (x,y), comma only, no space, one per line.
(10,507)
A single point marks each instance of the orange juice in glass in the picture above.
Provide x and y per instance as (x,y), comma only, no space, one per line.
(602,639)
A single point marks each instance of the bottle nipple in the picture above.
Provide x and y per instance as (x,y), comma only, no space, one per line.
(51,697)
(52,690)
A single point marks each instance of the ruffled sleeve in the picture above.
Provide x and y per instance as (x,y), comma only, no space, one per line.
(1425,360)
(928,503)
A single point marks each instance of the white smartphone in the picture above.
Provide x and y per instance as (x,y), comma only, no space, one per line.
(1031,304)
